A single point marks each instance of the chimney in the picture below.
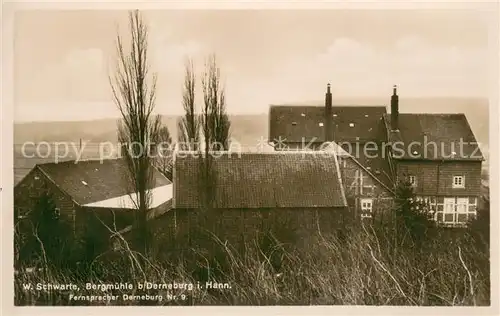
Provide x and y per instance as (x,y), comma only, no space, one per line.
(394,110)
(328,115)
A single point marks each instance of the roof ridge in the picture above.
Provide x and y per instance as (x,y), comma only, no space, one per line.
(75,161)
(333,105)
(274,152)
(430,114)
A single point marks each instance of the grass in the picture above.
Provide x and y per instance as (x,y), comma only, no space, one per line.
(366,265)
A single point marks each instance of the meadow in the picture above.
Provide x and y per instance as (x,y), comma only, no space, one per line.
(367,264)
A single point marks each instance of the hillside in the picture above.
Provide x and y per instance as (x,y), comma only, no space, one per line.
(249,128)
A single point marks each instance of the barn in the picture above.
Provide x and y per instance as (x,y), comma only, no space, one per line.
(90,196)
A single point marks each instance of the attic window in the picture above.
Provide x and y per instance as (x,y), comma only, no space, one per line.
(84,183)
(320,124)
(37,178)
(351,124)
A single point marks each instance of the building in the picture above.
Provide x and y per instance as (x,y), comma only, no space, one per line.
(440,157)
(252,193)
(383,149)
(88,194)
(358,130)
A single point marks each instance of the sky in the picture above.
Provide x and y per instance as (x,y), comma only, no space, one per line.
(63,58)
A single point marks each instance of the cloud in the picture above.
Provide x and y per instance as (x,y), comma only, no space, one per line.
(86,60)
(80,75)
(356,68)
(169,55)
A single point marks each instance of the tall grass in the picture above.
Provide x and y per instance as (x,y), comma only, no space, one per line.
(359,267)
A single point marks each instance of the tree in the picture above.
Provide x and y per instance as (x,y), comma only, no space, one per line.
(189,125)
(164,152)
(414,216)
(134,92)
(216,124)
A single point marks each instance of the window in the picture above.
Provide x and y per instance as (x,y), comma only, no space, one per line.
(57,213)
(458,182)
(320,124)
(456,210)
(342,162)
(366,208)
(351,124)
(412,180)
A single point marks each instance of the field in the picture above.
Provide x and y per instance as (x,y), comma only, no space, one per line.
(369,265)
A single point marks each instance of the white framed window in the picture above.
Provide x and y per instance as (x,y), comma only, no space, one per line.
(366,208)
(456,210)
(412,180)
(458,182)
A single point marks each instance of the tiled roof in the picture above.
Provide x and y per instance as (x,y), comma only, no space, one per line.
(91,181)
(261,180)
(447,131)
(352,126)
(306,123)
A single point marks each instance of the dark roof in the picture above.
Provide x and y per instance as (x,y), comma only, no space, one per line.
(445,130)
(261,180)
(90,181)
(302,123)
(376,161)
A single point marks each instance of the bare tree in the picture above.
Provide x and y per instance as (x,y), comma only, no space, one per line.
(216,124)
(164,152)
(215,128)
(134,92)
(189,127)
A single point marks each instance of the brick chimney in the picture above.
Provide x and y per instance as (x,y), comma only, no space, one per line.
(394,110)
(328,115)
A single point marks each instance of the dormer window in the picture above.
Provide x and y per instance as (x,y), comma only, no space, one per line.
(458,182)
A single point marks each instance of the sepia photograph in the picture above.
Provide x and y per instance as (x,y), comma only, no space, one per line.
(175,157)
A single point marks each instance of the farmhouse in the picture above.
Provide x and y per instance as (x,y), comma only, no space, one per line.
(87,194)
(382,150)
(358,130)
(441,159)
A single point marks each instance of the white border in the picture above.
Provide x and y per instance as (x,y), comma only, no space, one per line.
(9,9)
